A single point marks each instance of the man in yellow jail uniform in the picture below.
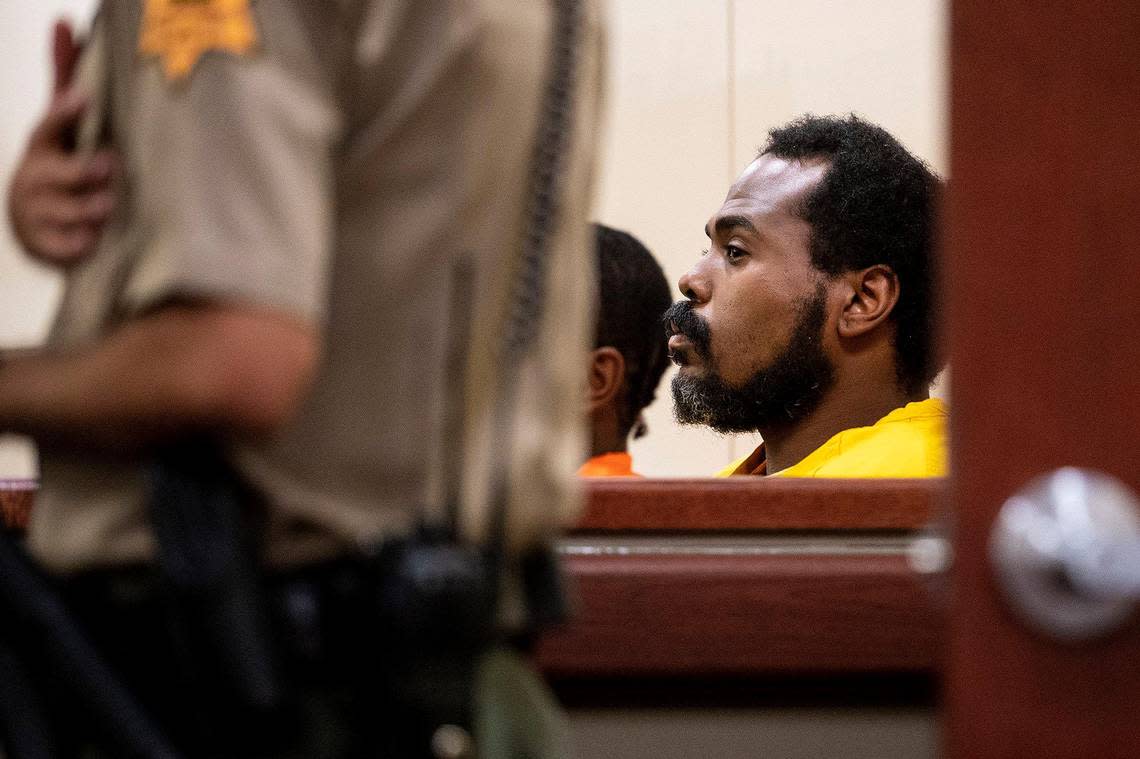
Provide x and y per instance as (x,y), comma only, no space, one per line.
(629,353)
(299,183)
(809,319)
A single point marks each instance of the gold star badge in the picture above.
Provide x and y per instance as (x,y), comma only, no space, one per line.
(179,31)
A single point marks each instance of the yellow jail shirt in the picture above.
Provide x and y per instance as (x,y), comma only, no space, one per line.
(908,442)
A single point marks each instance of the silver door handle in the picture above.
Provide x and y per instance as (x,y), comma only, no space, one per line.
(1066,550)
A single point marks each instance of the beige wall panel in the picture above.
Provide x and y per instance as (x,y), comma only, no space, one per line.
(665,169)
(884,59)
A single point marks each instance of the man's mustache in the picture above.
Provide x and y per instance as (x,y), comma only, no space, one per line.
(680,318)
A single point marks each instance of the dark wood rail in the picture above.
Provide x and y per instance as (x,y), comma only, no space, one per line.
(747,578)
(16,498)
(679,615)
(703,504)
(748,503)
(813,579)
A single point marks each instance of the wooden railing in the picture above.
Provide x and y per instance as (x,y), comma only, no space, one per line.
(741,504)
(741,577)
(748,577)
(16,498)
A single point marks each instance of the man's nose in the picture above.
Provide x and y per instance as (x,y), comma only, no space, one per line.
(694,284)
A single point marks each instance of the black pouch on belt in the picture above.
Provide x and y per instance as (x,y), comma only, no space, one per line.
(435,602)
(201,515)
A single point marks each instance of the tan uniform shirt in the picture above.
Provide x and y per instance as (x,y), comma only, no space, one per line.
(335,173)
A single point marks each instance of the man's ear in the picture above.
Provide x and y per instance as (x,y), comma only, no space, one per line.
(872,297)
(607,374)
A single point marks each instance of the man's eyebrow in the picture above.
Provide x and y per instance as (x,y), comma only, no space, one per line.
(725,224)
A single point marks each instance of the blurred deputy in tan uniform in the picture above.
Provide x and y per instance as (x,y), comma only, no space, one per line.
(298,180)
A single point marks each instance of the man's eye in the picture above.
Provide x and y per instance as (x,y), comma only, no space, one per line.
(733,253)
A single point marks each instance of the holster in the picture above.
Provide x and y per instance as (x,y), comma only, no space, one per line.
(433,609)
(204,522)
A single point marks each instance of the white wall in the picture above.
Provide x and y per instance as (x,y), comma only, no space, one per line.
(695,88)
(695,85)
(666,166)
(27,292)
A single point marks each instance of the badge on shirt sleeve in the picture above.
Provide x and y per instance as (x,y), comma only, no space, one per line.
(178,32)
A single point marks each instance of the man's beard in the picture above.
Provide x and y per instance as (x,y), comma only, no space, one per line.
(780,394)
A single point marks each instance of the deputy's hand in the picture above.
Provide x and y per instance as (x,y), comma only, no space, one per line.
(59,201)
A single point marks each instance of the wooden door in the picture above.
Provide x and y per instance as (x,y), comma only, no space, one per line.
(1043,266)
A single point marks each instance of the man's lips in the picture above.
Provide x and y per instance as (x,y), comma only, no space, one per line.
(681,350)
